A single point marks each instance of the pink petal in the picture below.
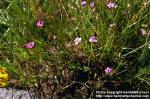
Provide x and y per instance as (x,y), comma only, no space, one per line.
(92,4)
(108,70)
(111,5)
(29,45)
(40,23)
(83,3)
(93,39)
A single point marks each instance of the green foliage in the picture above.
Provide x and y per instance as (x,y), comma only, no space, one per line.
(119,46)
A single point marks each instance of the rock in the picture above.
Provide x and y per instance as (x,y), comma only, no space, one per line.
(14,94)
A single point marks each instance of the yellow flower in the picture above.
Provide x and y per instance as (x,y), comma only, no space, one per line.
(3,76)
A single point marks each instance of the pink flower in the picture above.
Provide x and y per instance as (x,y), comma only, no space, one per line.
(92,4)
(29,45)
(108,70)
(40,23)
(111,5)
(93,39)
(83,3)
(77,40)
(143,32)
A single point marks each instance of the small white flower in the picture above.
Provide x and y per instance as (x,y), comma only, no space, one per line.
(77,40)
(143,32)
(112,25)
(128,5)
(149,46)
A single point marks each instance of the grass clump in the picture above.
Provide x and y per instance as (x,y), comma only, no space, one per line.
(90,45)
